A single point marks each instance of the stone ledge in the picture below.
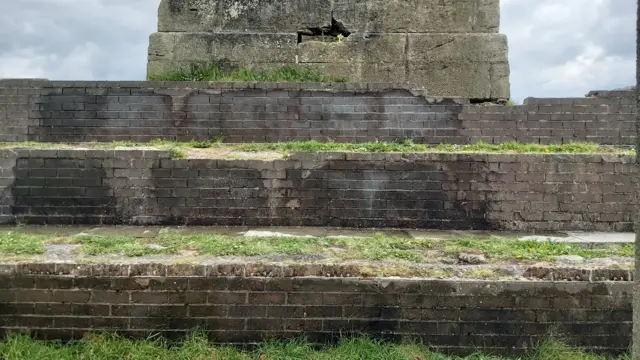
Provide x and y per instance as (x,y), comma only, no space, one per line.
(148,153)
(308,271)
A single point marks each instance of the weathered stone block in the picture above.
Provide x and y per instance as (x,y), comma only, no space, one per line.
(438,16)
(425,44)
(373,48)
(177,48)
(467,79)
(242,15)
(490,48)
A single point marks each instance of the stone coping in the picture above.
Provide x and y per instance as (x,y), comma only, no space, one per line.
(281,85)
(238,85)
(277,270)
(82,153)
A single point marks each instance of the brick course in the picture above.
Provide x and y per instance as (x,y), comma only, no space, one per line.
(64,301)
(57,111)
(414,190)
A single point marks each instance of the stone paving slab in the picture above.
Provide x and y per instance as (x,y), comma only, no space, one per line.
(586,238)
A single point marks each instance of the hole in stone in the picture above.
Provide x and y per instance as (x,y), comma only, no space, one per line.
(488,101)
(327,33)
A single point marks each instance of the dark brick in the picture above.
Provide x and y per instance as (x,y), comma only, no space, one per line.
(266,298)
(208,310)
(247,311)
(208,284)
(17,309)
(226,297)
(265,324)
(109,297)
(304,299)
(246,284)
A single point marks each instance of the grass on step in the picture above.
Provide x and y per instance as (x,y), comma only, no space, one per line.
(500,249)
(213,72)
(405,146)
(197,347)
(378,247)
(15,243)
(408,146)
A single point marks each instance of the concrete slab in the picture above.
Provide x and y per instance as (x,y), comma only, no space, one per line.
(605,238)
(263,234)
(551,238)
(47,230)
(205,230)
(432,234)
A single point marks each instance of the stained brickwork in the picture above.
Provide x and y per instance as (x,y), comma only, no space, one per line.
(39,110)
(415,190)
(64,301)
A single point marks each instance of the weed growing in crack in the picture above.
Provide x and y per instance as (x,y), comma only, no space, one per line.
(177,153)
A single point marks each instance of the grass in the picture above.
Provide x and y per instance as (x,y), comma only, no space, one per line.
(406,146)
(13,243)
(500,249)
(213,72)
(196,347)
(376,248)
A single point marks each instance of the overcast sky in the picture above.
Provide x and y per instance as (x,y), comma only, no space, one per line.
(557,47)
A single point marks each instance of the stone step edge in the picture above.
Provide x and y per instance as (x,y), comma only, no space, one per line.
(146,153)
(277,270)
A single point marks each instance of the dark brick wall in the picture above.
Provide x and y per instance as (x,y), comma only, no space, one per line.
(39,110)
(416,190)
(64,301)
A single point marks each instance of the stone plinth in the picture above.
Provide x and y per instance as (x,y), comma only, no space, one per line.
(447,47)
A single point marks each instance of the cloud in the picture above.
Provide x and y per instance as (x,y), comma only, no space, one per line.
(557,48)
(76,39)
(568,47)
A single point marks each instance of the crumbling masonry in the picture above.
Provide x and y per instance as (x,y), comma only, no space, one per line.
(446,47)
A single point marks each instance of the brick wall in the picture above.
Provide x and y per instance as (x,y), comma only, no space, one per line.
(63,301)
(415,190)
(40,110)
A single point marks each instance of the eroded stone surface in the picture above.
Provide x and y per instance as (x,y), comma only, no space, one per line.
(242,15)
(383,16)
(446,47)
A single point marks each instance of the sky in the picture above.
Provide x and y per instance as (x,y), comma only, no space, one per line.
(557,48)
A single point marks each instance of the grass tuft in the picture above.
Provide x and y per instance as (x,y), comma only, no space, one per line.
(408,146)
(213,72)
(501,249)
(197,347)
(13,243)
(177,153)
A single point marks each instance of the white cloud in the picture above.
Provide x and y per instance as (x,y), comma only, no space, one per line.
(568,47)
(79,63)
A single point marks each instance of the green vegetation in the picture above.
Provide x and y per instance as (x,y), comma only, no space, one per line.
(177,153)
(520,148)
(500,249)
(378,247)
(406,146)
(14,243)
(213,72)
(196,347)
